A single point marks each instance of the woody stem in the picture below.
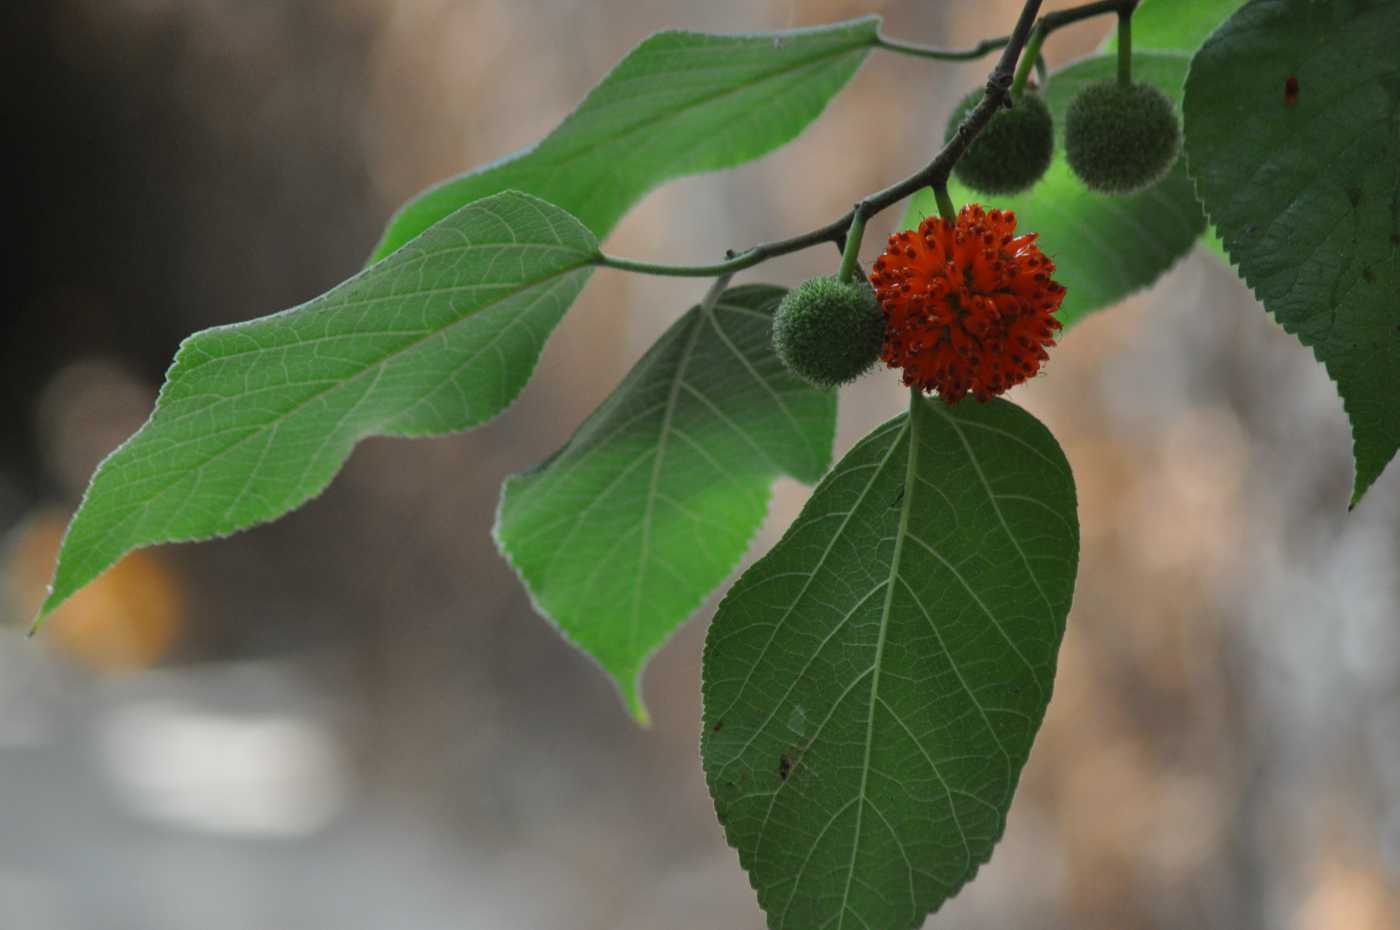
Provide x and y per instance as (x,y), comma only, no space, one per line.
(1125,47)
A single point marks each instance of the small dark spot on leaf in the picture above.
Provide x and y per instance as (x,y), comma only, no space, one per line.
(1395,238)
(897,498)
(784,766)
(719,725)
(1354,195)
(1290,90)
(1369,275)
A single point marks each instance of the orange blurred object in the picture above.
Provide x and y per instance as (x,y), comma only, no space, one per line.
(129,618)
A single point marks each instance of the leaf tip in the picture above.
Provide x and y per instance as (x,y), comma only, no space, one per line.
(43,614)
(632,696)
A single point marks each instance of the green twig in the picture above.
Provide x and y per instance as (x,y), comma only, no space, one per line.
(850,253)
(736,263)
(984,47)
(1050,21)
(1061,18)
(1028,60)
(713,294)
(945,203)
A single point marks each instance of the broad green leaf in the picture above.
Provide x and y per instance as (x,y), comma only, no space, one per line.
(256,418)
(622,533)
(1174,25)
(1306,195)
(872,686)
(1104,248)
(680,103)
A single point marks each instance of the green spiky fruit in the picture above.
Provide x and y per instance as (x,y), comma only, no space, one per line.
(1012,152)
(1121,138)
(827,332)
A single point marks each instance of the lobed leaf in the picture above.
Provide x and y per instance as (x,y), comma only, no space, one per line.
(680,103)
(1104,247)
(872,686)
(256,418)
(621,533)
(1304,188)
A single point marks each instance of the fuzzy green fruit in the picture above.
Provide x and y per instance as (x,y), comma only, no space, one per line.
(1012,152)
(829,333)
(1121,138)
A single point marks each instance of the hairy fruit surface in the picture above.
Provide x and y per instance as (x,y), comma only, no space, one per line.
(1012,152)
(1121,138)
(828,332)
(969,306)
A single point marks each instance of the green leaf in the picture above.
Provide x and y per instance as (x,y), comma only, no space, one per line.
(680,103)
(1104,247)
(872,686)
(1175,25)
(256,418)
(1306,196)
(648,507)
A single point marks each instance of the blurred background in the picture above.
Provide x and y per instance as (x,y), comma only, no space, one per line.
(352,718)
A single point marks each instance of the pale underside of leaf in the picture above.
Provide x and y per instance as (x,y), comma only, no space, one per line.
(622,533)
(680,103)
(872,686)
(1305,190)
(255,418)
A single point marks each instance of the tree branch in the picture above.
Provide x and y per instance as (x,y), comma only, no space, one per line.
(935,173)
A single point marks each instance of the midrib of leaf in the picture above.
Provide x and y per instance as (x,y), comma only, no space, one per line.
(212,440)
(423,335)
(376,366)
(797,599)
(141,506)
(657,458)
(554,507)
(595,443)
(910,478)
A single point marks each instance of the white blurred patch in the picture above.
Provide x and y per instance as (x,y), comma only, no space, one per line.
(263,775)
(26,694)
